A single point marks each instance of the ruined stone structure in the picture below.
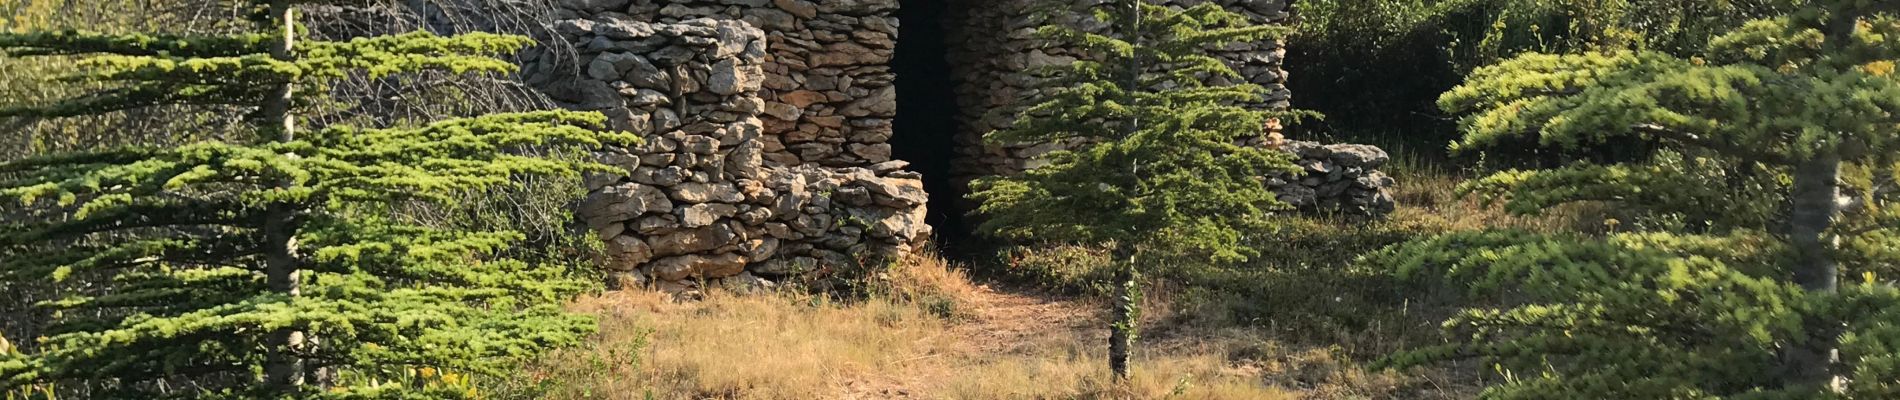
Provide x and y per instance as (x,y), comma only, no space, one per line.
(828,89)
(768,126)
(703,200)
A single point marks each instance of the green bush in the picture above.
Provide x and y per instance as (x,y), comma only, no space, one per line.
(1751,264)
(1065,269)
(1380,65)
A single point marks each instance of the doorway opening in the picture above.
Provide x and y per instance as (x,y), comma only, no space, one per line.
(926,121)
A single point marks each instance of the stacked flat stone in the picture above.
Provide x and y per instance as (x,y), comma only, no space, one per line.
(1342,178)
(699,203)
(828,91)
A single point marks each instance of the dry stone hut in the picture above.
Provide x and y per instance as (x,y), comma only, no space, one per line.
(794,138)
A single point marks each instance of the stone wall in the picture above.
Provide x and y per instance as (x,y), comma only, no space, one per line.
(828,91)
(768,124)
(1336,178)
(700,201)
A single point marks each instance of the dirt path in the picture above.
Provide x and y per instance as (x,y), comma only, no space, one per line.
(995,322)
(1004,320)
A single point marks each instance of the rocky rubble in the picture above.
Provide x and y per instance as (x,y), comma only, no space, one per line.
(700,202)
(1341,178)
(827,89)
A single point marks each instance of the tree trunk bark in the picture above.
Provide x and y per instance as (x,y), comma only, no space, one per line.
(1126,320)
(1815,203)
(1127,313)
(1121,337)
(283,369)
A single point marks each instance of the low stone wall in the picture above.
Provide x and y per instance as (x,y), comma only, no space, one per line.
(827,87)
(1336,178)
(794,223)
(700,203)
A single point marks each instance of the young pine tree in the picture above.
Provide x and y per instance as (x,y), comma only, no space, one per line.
(277,267)
(1160,176)
(1775,179)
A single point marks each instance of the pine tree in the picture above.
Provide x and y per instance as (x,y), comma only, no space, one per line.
(1774,181)
(280,266)
(1159,174)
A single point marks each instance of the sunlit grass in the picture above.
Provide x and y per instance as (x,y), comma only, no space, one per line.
(903,341)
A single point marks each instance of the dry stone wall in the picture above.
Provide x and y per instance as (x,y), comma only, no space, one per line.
(993,53)
(1336,178)
(768,125)
(699,202)
(828,88)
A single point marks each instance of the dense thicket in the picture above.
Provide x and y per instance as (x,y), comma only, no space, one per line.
(1158,173)
(1775,184)
(276,263)
(1377,66)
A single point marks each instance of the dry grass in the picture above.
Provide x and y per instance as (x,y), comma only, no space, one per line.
(740,347)
(898,344)
(932,283)
(1072,366)
(1429,203)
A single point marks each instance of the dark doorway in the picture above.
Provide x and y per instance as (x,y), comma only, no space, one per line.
(926,113)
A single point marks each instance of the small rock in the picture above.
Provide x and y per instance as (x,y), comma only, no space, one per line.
(626,253)
(697,192)
(697,266)
(692,240)
(699,215)
(801,8)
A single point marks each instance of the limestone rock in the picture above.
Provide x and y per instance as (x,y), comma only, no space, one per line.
(801,8)
(1358,155)
(901,192)
(882,102)
(697,266)
(729,78)
(699,215)
(692,240)
(621,203)
(698,192)
(625,253)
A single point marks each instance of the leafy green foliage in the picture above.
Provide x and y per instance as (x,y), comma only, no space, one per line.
(170,259)
(1773,183)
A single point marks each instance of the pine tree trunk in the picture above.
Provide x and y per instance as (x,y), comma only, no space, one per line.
(1121,335)
(1815,204)
(1123,325)
(283,369)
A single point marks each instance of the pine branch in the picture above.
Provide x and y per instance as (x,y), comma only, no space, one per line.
(1747,153)
(80,42)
